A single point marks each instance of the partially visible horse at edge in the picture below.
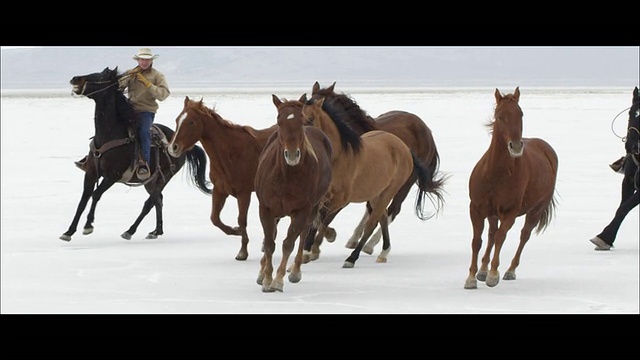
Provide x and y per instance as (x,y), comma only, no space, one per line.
(293,175)
(113,150)
(516,176)
(630,197)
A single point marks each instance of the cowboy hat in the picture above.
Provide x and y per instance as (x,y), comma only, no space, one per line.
(144,53)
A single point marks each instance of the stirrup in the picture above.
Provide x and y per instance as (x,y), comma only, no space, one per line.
(618,165)
(143,171)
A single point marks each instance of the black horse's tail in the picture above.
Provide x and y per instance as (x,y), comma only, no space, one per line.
(197,167)
(430,185)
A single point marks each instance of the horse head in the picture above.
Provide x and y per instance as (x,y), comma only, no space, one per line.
(291,134)
(93,84)
(507,123)
(189,127)
(632,142)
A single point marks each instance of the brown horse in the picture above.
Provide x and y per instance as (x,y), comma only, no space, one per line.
(293,175)
(409,128)
(370,168)
(233,151)
(516,176)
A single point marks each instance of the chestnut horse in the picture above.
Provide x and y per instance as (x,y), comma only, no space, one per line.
(293,175)
(370,168)
(516,176)
(630,183)
(409,128)
(233,151)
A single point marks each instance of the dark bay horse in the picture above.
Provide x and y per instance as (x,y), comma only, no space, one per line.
(293,175)
(516,176)
(630,183)
(112,156)
(409,128)
(370,168)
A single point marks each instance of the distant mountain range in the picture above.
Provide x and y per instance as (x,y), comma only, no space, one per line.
(196,67)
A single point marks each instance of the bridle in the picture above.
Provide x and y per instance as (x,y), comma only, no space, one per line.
(84,86)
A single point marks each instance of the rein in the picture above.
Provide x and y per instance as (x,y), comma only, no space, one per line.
(84,87)
(623,138)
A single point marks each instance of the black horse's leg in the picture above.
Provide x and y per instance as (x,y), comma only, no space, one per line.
(609,233)
(105,184)
(89,185)
(148,204)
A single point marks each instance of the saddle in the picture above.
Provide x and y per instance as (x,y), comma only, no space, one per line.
(158,140)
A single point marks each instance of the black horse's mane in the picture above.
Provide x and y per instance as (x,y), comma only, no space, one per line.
(355,116)
(340,117)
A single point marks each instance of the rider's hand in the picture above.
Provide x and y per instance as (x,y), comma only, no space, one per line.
(143,80)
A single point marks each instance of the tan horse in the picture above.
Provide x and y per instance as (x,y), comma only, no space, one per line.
(409,128)
(516,176)
(370,168)
(293,175)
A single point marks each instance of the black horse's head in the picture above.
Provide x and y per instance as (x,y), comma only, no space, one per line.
(632,143)
(96,83)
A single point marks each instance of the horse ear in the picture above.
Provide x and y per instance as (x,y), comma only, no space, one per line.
(276,100)
(498,96)
(303,98)
(516,93)
(635,92)
(316,88)
(330,88)
(186,100)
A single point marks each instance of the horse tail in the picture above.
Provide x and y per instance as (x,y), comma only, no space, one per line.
(430,185)
(547,215)
(197,165)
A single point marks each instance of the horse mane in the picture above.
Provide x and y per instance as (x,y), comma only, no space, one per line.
(124,108)
(339,116)
(210,112)
(356,117)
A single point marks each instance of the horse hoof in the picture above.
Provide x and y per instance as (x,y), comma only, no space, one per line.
(330,235)
(367,250)
(492,281)
(242,256)
(87,231)
(381,260)
(126,235)
(348,265)
(65,237)
(509,275)
(481,276)
(352,245)
(295,277)
(151,236)
(259,279)
(471,284)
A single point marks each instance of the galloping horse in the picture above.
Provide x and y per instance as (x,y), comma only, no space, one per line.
(233,151)
(409,128)
(112,155)
(293,175)
(516,176)
(630,183)
(371,168)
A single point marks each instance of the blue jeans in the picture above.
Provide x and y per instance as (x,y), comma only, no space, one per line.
(144,134)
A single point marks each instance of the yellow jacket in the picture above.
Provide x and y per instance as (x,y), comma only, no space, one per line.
(141,97)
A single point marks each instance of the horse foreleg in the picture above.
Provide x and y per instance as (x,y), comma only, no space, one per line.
(265,276)
(159,222)
(610,232)
(477,222)
(218,199)
(370,225)
(493,277)
(89,185)
(298,222)
(357,232)
(105,184)
(243,210)
(484,266)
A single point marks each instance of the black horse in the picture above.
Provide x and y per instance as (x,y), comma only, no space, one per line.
(114,149)
(630,182)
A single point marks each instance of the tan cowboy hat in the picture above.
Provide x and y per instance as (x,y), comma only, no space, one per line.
(144,53)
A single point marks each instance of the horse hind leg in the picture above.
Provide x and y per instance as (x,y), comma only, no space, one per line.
(95,197)
(357,232)
(525,234)
(386,240)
